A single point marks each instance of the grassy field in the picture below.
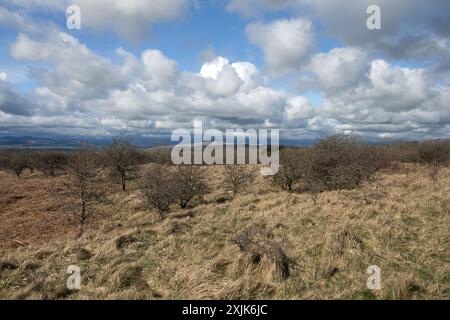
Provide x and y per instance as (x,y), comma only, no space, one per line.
(399,220)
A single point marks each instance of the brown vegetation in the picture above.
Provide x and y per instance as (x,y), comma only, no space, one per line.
(264,243)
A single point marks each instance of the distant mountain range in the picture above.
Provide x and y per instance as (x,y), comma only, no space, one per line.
(68,143)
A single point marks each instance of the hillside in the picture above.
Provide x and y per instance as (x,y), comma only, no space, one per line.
(399,220)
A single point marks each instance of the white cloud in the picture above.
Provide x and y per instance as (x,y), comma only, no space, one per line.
(212,68)
(131,19)
(3,77)
(397,88)
(340,68)
(286,44)
(298,108)
(77,71)
(82,92)
(160,71)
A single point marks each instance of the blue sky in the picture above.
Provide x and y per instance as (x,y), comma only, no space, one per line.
(308,68)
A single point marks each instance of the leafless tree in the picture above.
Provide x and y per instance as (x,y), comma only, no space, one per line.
(83,187)
(237,178)
(49,162)
(189,183)
(435,154)
(123,158)
(288,174)
(157,187)
(15,161)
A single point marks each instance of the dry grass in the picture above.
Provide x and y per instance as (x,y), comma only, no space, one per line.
(398,221)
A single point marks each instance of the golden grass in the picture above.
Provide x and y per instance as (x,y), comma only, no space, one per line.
(398,221)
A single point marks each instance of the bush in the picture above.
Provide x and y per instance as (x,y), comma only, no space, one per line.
(15,161)
(82,187)
(50,162)
(289,172)
(338,162)
(122,157)
(157,187)
(236,178)
(433,152)
(189,182)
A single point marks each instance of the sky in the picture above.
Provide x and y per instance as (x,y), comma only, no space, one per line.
(148,67)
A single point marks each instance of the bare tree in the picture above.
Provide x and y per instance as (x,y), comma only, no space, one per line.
(236,178)
(82,189)
(123,158)
(15,161)
(434,154)
(157,187)
(288,174)
(49,162)
(189,183)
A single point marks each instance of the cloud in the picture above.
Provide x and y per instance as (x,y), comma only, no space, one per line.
(3,77)
(12,102)
(339,69)
(131,19)
(411,29)
(83,92)
(76,71)
(286,44)
(249,8)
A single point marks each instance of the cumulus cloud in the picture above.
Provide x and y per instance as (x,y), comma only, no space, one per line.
(146,90)
(76,72)
(12,102)
(131,19)
(340,68)
(389,95)
(286,43)
(411,29)
(363,87)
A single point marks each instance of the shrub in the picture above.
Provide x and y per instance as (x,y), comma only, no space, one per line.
(15,161)
(236,178)
(341,162)
(433,152)
(189,182)
(335,163)
(157,187)
(82,188)
(289,172)
(50,162)
(123,158)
